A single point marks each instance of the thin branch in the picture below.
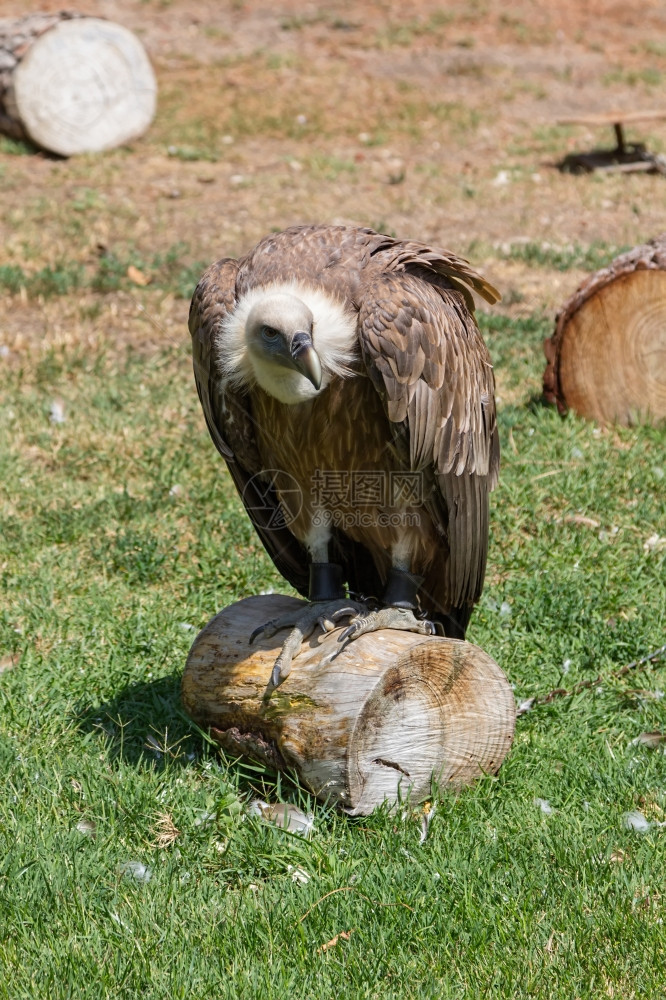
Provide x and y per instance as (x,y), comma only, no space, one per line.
(561,692)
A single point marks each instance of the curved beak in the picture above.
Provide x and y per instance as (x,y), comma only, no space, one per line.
(305,358)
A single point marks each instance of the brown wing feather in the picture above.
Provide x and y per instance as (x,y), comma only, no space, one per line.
(339,258)
(427,359)
(213,298)
(231,425)
(433,265)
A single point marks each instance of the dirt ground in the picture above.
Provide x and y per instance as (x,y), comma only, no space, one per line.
(432,121)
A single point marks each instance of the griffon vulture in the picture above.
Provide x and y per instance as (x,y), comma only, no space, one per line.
(346,384)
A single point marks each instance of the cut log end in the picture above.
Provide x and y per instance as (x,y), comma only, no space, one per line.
(443,713)
(388,716)
(607,356)
(84,85)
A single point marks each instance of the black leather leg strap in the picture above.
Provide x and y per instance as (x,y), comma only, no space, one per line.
(401,589)
(326,582)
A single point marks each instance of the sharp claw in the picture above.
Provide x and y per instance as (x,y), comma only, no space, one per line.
(332,656)
(328,624)
(343,613)
(347,633)
(257,632)
(282,666)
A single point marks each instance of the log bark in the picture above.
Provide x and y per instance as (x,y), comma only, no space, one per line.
(391,713)
(606,359)
(73,84)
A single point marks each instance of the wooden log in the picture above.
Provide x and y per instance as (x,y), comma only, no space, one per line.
(391,713)
(606,359)
(73,84)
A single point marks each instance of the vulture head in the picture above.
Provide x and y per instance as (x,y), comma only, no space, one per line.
(278,335)
(289,339)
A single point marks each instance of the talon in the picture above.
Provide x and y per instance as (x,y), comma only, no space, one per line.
(269,628)
(402,619)
(331,623)
(347,633)
(280,672)
(257,632)
(302,624)
(291,645)
(343,613)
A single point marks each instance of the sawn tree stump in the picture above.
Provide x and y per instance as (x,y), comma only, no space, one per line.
(73,84)
(607,356)
(387,716)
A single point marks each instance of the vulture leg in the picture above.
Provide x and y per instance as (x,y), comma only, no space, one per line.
(324,613)
(327,605)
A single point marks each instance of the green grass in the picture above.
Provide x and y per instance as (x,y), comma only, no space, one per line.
(15,147)
(120,534)
(589,257)
(403,33)
(192,153)
(170,270)
(330,168)
(647,77)
(47,281)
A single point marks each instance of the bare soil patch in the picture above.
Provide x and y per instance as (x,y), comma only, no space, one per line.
(426,120)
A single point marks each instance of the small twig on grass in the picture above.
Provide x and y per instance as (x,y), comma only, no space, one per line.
(351,888)
(544,475)
(544,699)
(342,936)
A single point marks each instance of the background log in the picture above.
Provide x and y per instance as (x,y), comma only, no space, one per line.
(73,84)
(393,711)
(607,356)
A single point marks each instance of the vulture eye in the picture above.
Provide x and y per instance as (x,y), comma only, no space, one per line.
(268,333)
